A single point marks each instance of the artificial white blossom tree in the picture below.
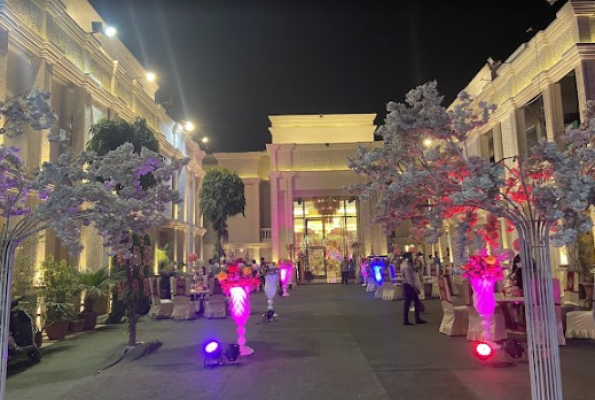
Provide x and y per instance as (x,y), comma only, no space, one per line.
(86,189)
(545,197)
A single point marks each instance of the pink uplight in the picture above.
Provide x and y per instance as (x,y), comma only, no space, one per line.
(483,351)
(283,275)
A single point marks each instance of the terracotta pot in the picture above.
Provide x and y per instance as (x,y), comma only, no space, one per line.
(56,330)
(90,320)
(77,325)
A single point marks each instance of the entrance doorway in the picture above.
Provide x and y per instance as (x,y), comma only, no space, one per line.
(325,230)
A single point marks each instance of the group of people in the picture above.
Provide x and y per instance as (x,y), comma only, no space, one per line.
(202,273)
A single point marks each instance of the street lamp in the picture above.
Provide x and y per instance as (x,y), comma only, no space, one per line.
(97,27)
(149,77)
(188,126)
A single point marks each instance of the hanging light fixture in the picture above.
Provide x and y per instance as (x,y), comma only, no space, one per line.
(326,207)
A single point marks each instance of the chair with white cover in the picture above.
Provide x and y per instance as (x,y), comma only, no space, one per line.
(378,292)
(184,307)
(454,320)
(215,307)
(160,308)
(580,325)
(388,292)
(371,287)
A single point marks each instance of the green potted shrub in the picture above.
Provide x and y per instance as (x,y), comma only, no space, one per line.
(94,284)
(59,285)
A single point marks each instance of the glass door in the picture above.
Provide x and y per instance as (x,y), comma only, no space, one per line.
(317,264)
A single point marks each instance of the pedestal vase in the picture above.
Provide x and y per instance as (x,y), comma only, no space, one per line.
(270,288)
(240,311)
(485,303)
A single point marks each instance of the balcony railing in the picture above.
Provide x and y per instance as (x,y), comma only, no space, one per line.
(265,235)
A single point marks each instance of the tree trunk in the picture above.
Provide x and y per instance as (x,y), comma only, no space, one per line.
(6,262)
(131,307)
(538,288)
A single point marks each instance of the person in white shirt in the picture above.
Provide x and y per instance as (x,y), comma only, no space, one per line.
(410,290)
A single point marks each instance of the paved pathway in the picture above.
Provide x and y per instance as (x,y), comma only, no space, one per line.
(331,342)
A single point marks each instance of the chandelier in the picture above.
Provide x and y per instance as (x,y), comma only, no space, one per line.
(326,207)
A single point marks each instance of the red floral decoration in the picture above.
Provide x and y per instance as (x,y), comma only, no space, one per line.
(483,266)
(237,277)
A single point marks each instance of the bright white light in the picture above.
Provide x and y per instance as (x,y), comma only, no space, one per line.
(110,31)
(427,142)
(205,140)
(189,126)
(150,76)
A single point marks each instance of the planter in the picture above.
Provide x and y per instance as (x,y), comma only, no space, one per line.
(77,325)
(56,330)
(90,320)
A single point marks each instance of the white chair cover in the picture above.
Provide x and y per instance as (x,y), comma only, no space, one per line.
(388,292)
(455,320)
(379,291)
(580,325)
(371,287)
(160,308)
(215,308)
(475,330)
(184,307)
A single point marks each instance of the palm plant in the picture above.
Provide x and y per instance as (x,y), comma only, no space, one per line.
(96,284)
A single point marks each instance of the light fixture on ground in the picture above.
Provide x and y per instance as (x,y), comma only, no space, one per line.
(215,355)
(97,27)
(483,351)
(212,353)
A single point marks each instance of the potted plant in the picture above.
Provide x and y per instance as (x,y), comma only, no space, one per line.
(94,284)
(586,261)
(59,285)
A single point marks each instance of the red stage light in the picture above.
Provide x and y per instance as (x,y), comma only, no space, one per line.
(483,351)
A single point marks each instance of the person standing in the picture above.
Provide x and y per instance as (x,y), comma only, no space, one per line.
(437,263)
(410,290)
(345,271)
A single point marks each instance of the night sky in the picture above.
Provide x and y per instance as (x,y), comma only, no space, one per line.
(229,64)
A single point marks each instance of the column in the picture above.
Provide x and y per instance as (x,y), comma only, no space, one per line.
(41,74)
(288,211)
(274,180)
(585,83)
(554,115)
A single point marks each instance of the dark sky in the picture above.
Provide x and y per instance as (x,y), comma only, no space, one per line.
(229,64)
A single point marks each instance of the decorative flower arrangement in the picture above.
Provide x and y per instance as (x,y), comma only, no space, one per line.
(192,257)
(484,266)
(234,277)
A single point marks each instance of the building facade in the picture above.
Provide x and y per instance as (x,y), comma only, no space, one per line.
(539,91)
(297,202)
(48,45)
